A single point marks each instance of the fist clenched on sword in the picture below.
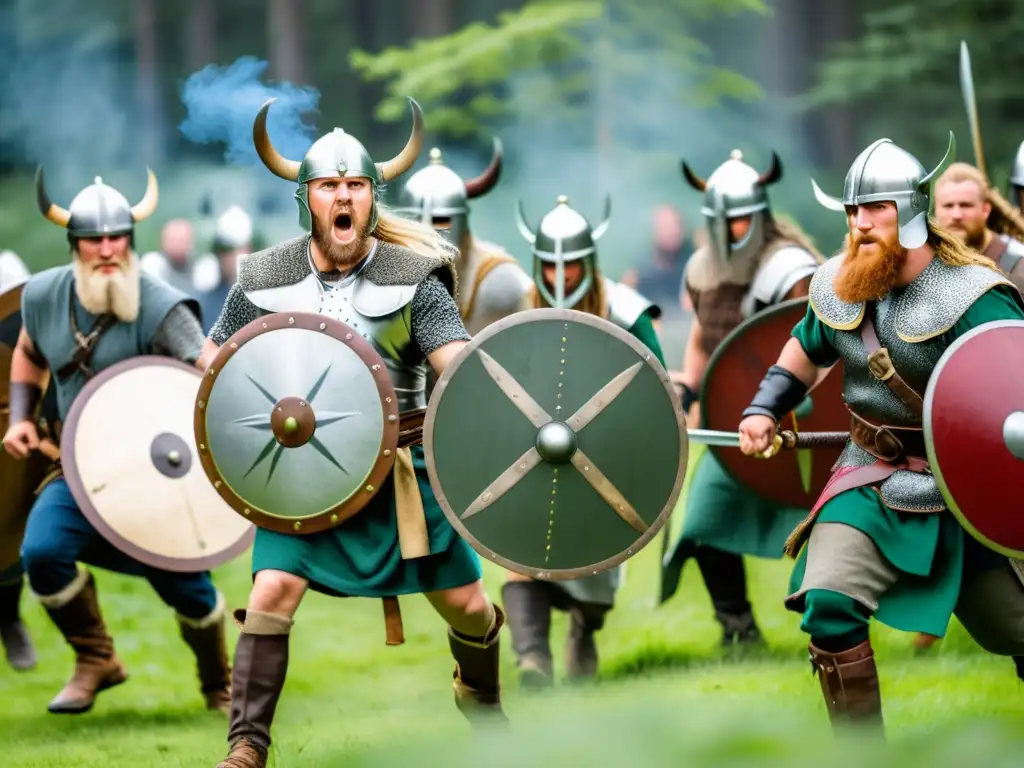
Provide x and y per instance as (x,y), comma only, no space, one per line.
(756,434)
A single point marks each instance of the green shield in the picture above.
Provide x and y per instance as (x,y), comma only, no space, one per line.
(297,422)
(556,444)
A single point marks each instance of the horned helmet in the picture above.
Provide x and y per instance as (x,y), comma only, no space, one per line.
(735,190)
(99,209)
(563,236)
(336,154)
(439,197)
(233,230)
(885,172)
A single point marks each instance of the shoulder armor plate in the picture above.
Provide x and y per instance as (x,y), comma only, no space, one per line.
(1014,253)
(780,272)
(830,309)
(625,305)
(374,300)
(502,289)
(938,297)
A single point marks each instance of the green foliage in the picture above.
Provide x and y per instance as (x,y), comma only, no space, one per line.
(903,70)
(576,50)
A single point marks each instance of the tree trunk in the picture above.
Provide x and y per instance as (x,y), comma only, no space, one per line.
(147,84)
(431,18)
(200,34)
(836,137)
(287,25)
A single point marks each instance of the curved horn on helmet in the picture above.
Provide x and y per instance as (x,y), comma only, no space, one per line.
(145,207)
(52,211)
(274,160)
(828,201)
(483,183)
(606,219)
(694,180)
(950,154)
(774,172)
(524,228)
(403,161)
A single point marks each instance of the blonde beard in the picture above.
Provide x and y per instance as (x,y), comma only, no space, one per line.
(116,294)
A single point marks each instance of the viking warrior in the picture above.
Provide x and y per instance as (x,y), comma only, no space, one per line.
(392,281)
(567,275)
(491,282)
(967,207)
(880,540)
(752,261)
(173,262)
(78,320)
(214,273)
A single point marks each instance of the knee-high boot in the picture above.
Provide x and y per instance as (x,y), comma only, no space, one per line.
(849,683)
(528,611)
(726,582)
(476,682)
(205,637)
(76,612)
(18,647)
(261,663)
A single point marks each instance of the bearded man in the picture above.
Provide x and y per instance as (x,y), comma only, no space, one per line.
(78,320)
(566,275)
(392,281)
(966,207)
(492,284)
(880,541)
(752,261)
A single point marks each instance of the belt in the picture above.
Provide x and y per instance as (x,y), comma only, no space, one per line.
(886,442)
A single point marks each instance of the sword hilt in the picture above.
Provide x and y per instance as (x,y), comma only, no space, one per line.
(791,440)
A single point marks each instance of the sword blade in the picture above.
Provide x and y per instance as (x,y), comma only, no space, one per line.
(790,440)
(971,103)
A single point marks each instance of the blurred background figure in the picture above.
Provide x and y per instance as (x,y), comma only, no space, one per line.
(173,262)
(659,276)
(12,270)
(215,273)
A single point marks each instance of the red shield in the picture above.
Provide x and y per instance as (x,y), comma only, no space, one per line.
(974,433)
(735,370)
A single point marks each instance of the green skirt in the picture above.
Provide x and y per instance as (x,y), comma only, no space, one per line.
(362,557)
(926,549)
(723,514)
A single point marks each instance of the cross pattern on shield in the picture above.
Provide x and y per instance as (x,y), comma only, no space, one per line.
(297,422)
(556,444)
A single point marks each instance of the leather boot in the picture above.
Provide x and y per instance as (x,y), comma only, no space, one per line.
(18,647)
(528,611)
(739,630)
(849,682)
(476,679)
(205,637)
(261,663)
(97,666)
(581,645)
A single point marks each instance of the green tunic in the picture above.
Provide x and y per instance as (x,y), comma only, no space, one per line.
(927,549)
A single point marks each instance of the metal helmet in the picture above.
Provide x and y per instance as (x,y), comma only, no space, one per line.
(1017,172)
(735,190)
(436,193)
(98,209)
(233,230)
(336,154)
(885,172)
(564,236)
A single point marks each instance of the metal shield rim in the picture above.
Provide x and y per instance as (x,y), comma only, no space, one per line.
(70,470)
(929,444)
(645,354)
(334,516)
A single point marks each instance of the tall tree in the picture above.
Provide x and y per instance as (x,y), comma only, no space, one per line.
(200,34)
(147,82)
(287,25)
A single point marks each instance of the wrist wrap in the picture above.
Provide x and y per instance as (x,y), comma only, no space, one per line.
(780,392)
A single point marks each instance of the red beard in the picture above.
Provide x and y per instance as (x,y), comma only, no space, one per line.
(868,275)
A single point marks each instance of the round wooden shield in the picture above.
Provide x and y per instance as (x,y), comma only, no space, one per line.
(974,433)
(297,422)
(555,444)
(131,463)
(18,479)
(792,478)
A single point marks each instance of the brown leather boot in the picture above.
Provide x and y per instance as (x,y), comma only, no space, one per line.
(476,679)
(205,637)
(261,663)
(580,647)
(528,612)
(849,682)
(76,612)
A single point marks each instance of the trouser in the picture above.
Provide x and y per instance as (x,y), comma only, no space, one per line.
(725,578)
(58,536)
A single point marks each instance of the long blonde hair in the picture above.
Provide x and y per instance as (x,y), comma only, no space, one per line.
(594,302)
(953,251)
(789,230)
(414,235)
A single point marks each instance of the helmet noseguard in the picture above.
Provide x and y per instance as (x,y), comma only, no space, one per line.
(336,155)
(564,236)
(885,172)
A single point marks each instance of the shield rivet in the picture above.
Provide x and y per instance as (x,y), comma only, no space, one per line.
(369,489)
(201,404)
(216,483)
(375,367)
(246,511)
(210,371)
(387,452)
(264,325)
(387,399)
(291,321)
(297,525)
(348,337)
(234,345)
(392,417)
(323,326)
(586,468)
(334,518)
(202,447)
(563,339)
